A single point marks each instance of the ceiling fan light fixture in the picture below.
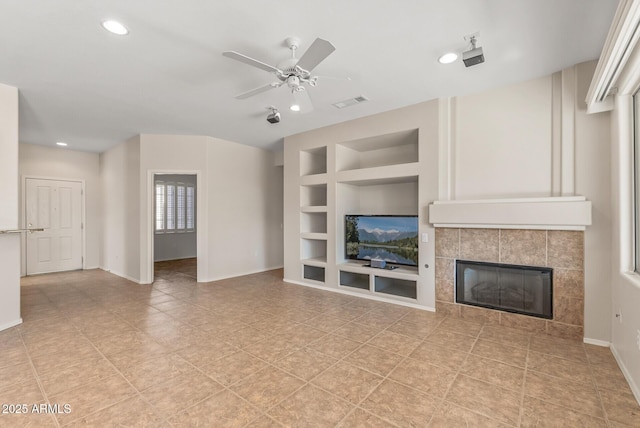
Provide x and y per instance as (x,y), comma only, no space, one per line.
(115,27)
(294,107)
(448,58)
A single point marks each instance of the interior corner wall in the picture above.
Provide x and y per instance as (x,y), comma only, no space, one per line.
(245,197)
(9,243)
(120,178)
(62,163)
(593,180)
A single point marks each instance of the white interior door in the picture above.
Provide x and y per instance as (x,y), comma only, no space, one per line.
(55,206)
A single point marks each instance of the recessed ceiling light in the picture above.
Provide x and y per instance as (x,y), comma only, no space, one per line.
(115,27)
(62,144)
(294,107)
(448,58)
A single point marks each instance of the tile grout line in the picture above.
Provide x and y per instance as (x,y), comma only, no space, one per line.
(524,384)
(37,378)
(597,388)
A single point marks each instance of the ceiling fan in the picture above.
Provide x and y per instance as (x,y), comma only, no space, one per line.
(294,72)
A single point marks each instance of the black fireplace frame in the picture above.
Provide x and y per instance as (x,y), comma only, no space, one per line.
(509,266)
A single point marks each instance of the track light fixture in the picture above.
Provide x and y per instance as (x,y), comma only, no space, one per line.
(274,116)
(473,56)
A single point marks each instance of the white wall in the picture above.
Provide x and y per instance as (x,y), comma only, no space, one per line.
(62,163)
(593,180)
(245,210)
(502,141)
(120,178)
(179,245)
(9,244)
(624,281)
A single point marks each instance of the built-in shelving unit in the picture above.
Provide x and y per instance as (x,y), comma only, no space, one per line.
(402,281)
(313,213)
(374,175)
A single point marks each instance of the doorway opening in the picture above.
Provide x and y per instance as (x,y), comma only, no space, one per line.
(175,227)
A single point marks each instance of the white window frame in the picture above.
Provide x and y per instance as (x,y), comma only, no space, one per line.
(635,173)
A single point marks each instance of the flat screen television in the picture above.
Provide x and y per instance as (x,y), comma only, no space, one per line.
(392,238)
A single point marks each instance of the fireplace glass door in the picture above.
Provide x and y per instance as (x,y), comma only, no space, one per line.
(513,288)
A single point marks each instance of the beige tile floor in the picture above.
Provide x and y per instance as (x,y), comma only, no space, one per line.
(256,352)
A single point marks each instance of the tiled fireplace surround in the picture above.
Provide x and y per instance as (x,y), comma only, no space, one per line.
(559,249)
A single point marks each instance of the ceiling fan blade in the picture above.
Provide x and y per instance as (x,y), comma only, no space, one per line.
(248,60)
(317,52)
(257,91)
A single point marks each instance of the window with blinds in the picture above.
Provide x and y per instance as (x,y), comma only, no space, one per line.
(171,207)
(160,202)
(181,206)
(174,207)
(190,212)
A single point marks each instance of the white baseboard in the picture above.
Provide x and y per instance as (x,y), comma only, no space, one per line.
(627,375)
(121,275)
(220,278)
(361,295)
(11,324)
(175,258)
(597,342)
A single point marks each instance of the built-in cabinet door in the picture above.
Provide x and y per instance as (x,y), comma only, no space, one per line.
(55,206)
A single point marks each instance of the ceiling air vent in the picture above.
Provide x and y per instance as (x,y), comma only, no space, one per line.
(350,102)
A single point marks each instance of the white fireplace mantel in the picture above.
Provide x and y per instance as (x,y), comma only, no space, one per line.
(551,213)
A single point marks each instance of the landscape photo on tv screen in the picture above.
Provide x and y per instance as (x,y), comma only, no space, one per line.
(393,239)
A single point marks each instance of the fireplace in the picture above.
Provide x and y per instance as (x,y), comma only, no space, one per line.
(519,289)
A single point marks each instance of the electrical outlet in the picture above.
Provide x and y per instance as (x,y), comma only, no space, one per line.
(638,339)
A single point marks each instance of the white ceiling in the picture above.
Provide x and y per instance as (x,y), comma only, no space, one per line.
(92,89)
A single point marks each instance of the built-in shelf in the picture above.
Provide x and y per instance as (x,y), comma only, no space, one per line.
(313,180)
(313,248)
(317,261)
(378,151)
(313,161)
(314,236)
(314,209)
(400,271)
(313,222)
(313,196)
(401,173)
